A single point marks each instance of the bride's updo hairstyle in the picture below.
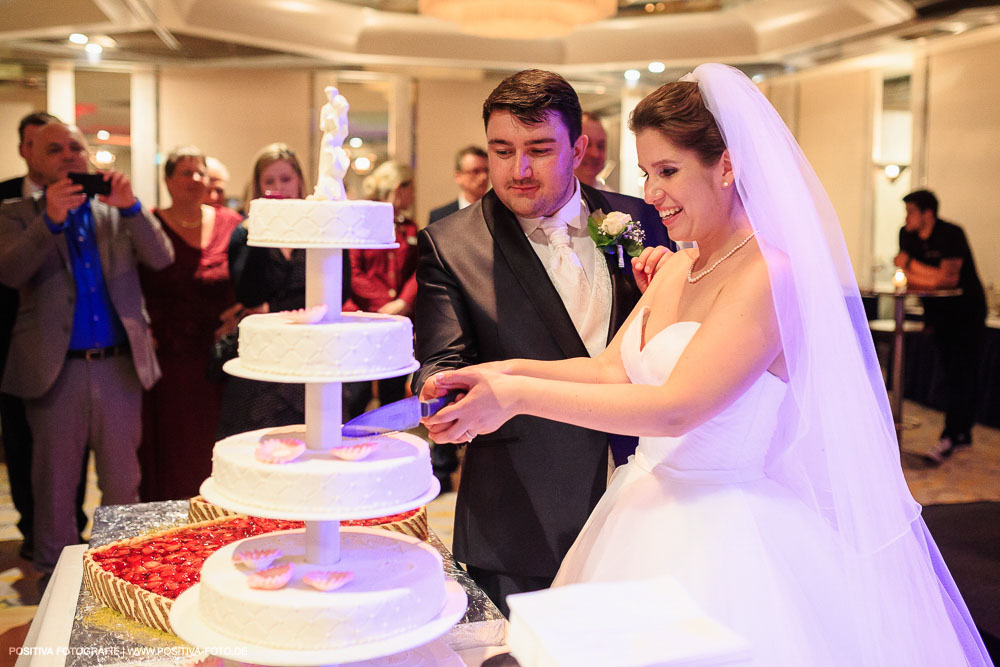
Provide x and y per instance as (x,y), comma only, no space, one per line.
(677,110)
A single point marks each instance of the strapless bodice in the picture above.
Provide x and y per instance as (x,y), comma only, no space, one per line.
(729,447)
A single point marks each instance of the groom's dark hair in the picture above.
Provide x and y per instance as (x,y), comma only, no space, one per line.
(530,95)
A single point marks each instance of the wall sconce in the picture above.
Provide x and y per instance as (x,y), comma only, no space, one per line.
(891,170)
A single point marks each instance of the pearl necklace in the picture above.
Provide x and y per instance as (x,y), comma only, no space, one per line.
(693,279)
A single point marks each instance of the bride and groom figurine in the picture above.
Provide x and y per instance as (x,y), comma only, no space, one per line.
(766,479)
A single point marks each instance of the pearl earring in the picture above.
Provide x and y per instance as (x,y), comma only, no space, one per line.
(725,184)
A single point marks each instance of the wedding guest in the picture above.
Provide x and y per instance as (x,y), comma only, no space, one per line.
(218,181)
(936,255)
(384,281)
(767,482)
(81,352)
(472,176)
(13,421)
(268,280)
(596,155)
(188,304)
(518,275)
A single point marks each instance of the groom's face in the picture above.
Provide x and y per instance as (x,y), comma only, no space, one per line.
(531,166)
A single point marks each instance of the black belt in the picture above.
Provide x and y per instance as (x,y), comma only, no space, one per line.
(98,352)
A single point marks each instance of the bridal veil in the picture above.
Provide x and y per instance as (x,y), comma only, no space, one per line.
(836,445)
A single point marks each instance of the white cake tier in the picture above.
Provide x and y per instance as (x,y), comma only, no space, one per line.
(398,585)
(357,346)
(303,223)
(396,472)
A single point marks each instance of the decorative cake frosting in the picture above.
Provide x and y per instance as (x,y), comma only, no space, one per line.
(141,576)
(304,223)
(355,346)
(412,523)
(397,471)
(397,585)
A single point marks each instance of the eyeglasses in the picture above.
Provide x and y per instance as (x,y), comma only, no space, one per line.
(478,171)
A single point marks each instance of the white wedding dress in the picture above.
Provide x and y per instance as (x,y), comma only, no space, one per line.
(699,508)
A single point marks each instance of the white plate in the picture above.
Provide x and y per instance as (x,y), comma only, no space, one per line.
(188,626)
(328,246)
(211,493)
(235,367)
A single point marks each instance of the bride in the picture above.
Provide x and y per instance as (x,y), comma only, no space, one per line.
(767,477)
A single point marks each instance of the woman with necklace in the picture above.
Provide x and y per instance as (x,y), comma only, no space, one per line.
(190,306)
(767,479)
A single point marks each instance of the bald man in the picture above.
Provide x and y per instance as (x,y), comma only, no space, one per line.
(81,352)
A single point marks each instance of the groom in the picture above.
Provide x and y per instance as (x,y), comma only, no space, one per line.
(516,275)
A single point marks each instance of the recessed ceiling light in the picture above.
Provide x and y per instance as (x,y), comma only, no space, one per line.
(103,135)
(657,67)
(93,48)
(78,38)
(356,142)
(632,75)
(757,78)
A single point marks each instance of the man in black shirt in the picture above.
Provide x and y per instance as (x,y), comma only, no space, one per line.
(935,255)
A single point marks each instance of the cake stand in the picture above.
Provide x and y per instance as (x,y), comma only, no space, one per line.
(322,529)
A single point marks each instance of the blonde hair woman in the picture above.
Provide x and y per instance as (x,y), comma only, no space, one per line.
(385,281)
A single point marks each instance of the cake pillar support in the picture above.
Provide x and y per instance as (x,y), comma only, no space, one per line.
(323,415)
(324,279)
(323,542)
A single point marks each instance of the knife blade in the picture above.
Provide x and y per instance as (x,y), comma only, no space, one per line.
(396,416)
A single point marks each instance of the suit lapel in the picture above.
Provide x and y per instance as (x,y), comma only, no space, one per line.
(535,282)
(59,240)
(624,292)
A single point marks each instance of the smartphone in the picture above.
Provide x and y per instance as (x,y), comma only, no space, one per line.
(93,184)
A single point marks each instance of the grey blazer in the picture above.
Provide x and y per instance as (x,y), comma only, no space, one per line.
(36,262)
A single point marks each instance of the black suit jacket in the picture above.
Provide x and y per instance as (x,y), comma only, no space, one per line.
(442,212)
(9,189)
(483,295)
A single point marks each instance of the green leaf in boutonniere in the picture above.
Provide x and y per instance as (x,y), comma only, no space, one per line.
(616,229)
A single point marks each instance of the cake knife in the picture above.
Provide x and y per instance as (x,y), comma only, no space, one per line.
(396,416)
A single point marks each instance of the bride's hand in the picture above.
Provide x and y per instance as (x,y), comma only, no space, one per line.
(488,403)
(649,261)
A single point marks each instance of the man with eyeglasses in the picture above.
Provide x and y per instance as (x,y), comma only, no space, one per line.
(472,175)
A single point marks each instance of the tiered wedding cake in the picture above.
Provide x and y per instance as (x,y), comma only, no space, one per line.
(325,593)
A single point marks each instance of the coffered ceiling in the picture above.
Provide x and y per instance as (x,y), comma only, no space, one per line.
(761,35)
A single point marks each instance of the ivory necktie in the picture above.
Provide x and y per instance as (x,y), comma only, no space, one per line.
(567,272)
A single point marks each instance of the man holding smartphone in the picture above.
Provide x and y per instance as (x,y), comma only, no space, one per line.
(81,352)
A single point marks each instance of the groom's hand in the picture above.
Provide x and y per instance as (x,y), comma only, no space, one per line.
(428,391)
(645,266)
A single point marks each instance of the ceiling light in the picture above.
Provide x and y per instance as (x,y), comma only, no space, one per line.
(757,78)
(103,135)
(104,158)
(632,75)
(657,67)
(519,19)
(362,164)
(93,48)
(356,142)
(78,38)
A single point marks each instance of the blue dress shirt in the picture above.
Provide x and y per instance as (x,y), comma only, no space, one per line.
(95,322)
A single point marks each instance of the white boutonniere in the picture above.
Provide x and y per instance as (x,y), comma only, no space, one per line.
(616,234)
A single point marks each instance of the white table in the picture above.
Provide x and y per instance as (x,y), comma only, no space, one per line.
(48,638)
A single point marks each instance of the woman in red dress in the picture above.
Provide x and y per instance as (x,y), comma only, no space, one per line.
(190,304)
(385,281)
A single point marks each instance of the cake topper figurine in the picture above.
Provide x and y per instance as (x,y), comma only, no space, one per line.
(333,160)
